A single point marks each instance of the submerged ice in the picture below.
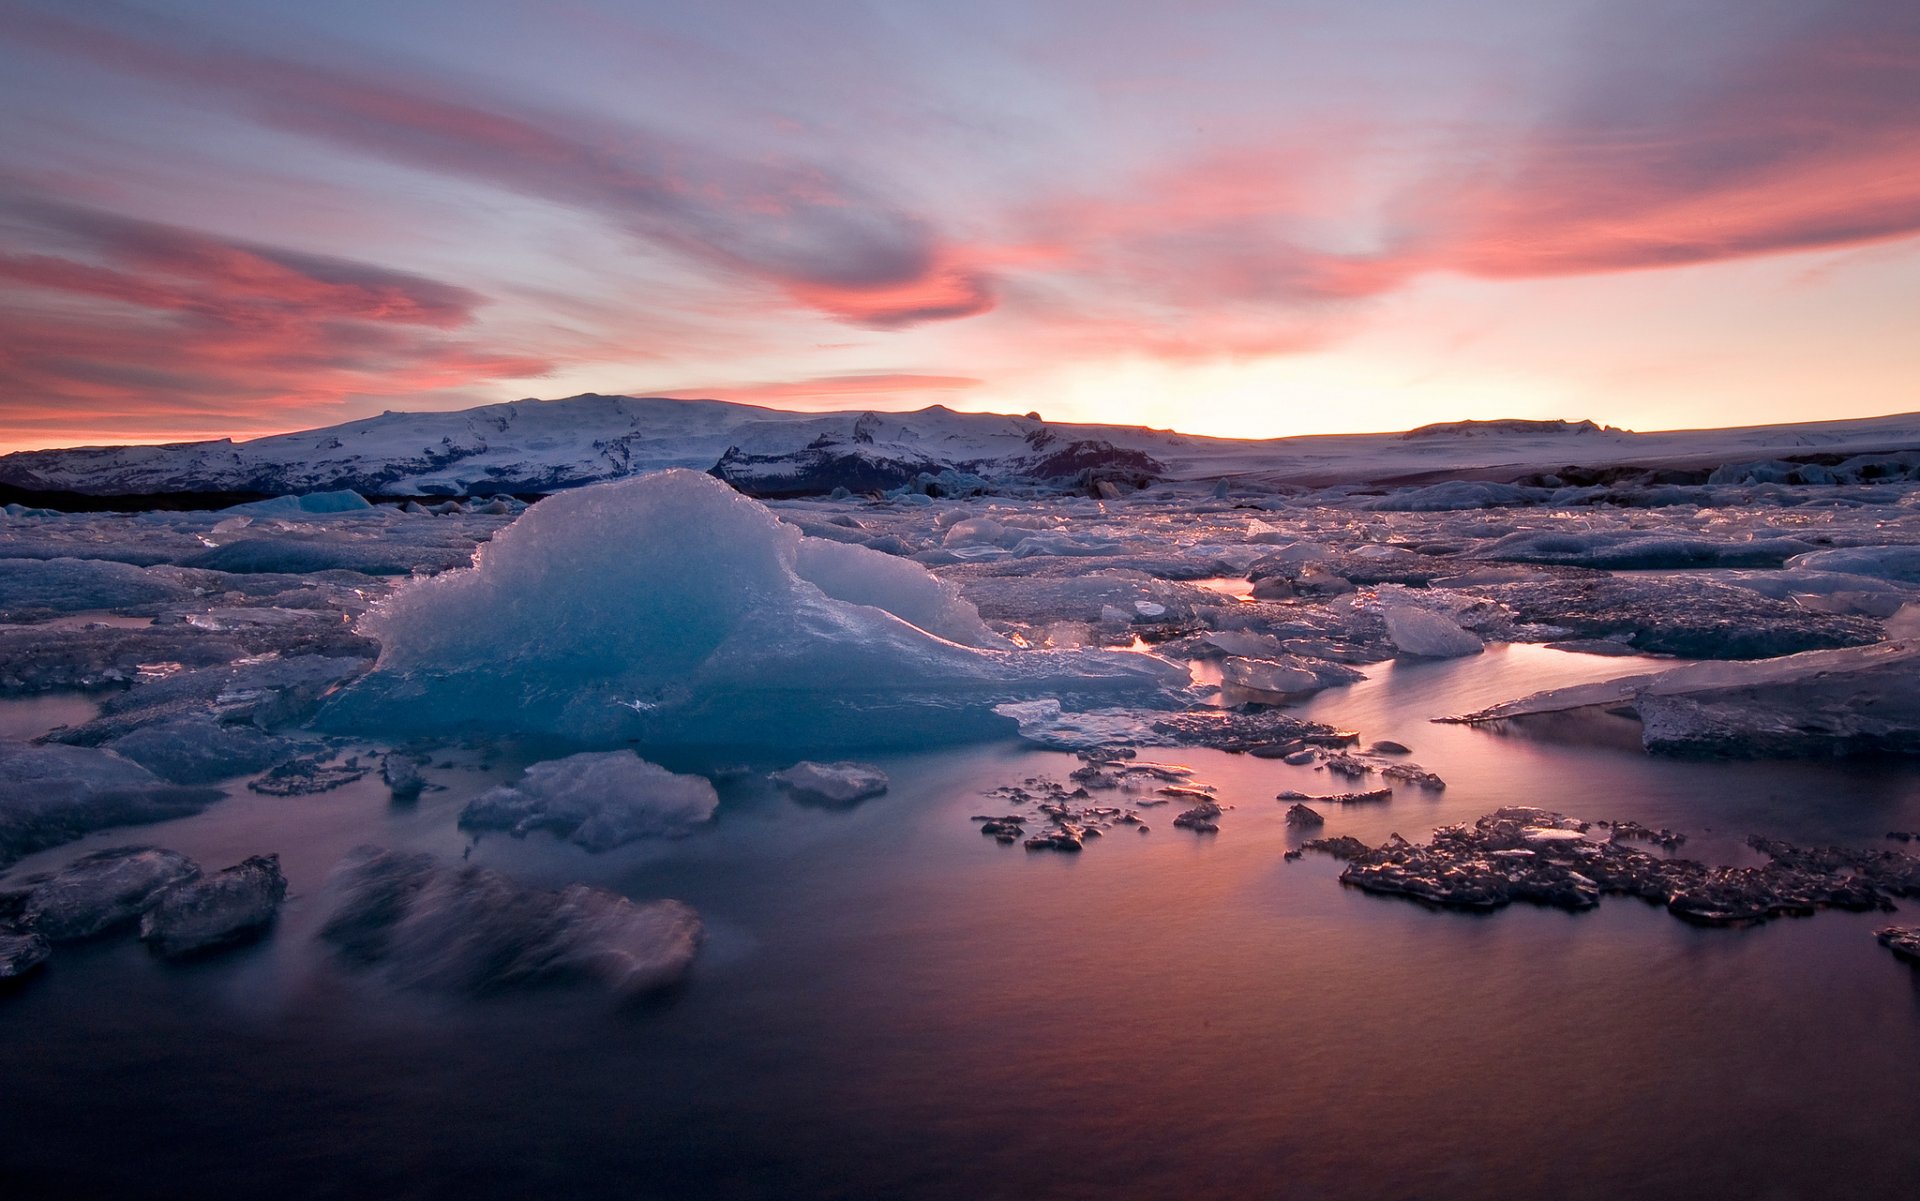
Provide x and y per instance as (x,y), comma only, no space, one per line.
(670,609)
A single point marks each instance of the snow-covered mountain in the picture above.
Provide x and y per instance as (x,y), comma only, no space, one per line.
(530,446)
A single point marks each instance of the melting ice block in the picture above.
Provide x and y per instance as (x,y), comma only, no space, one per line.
(670,609)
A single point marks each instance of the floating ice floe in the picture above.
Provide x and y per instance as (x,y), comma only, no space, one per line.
(670,609)
(599,800)
(832,784)
(1851,700)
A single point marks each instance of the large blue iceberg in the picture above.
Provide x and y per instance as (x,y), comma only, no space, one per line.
(667,609)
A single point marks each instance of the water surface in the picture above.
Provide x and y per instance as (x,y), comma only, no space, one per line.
(890,1005)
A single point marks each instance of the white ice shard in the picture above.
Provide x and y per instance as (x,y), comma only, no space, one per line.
(670,609)
(1427,634)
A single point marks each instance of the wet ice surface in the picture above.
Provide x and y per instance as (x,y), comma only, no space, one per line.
(888,1003)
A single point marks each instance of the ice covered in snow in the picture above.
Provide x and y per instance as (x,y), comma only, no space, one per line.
(598,800)
(1429,635)
(832,784)
(670,609)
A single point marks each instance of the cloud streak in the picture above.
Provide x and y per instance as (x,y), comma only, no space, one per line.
(144,326)
(825,241)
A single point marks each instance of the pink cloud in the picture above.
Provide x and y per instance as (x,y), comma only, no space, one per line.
(822,240)
(148,330)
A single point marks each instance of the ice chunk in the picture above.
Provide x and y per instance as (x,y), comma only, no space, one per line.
(1044,722)
(217,911)
(669,608)
(103,890)
(293,553)
(1427,634)
(21,953)
(1288,675)
(598,800)
(831,784)
(1638,549)
(401,774)
(469,930)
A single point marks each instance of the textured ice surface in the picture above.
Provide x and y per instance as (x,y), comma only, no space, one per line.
(77,585)
(670,609)
(340,501)
(1287,675)
(466,929)
(599,800)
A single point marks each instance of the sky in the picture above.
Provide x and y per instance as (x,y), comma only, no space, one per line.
(224,218)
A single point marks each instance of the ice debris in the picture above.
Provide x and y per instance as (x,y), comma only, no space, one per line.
(1526,854)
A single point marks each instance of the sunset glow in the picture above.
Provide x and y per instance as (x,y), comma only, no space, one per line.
(226,219)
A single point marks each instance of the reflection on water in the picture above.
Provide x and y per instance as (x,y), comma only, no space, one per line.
(891,1005)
